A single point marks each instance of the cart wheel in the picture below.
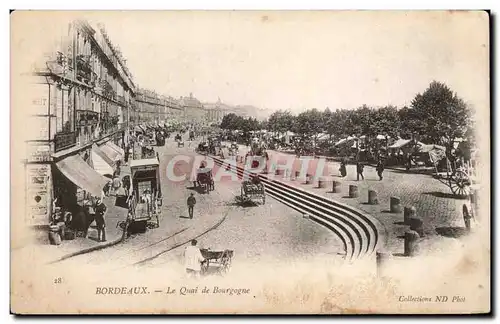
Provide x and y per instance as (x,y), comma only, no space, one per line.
(460,184)
(465,212)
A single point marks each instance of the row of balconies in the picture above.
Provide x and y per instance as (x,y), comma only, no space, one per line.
(85,74)
(65,140)
(84,119)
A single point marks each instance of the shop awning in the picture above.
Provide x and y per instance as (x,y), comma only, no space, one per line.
(111,151)
(102,164)
(82,175)
(117,148)
(98,151)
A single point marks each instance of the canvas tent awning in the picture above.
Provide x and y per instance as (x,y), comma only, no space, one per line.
(436,152)
(81,174)
(323,136)
(346,141)
(400,143)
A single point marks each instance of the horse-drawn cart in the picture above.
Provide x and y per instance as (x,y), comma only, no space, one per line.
(458,175)
(202,148)
(145,197)
(252,190)
(204,180)
(220,260)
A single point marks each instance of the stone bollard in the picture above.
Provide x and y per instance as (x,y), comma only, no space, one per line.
(321,183)
(409,213)
(382,261)
(411,243)
(417,225)
(395,205)
(372,197)
(353,191)
(467,217)
(336,187)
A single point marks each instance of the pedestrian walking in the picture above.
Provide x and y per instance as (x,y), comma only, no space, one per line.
(191,201)
(107,188)
(193,259)
(343,169)
(380,169)
(359,170)
(116,184)
(126,185)
(100,210)
(127,152)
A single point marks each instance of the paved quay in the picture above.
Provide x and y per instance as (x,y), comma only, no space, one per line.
(434,203)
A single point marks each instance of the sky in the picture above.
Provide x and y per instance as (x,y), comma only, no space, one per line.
(298,60)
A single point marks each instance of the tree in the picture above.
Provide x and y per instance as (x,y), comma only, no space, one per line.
(445,116)
(309,123)
(280,121)
(385,121)
(229,121)
(410,123)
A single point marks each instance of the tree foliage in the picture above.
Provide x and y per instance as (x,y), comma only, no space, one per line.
(437,116)
(445,116)
(234,122)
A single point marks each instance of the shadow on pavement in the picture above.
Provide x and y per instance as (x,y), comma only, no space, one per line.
(422,171)
(439,194)
(198,189)
(121,201)
(454,232)
(244,204)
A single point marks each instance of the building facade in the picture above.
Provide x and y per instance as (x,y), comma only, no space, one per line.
(215,112)
(81,102)
(194,111)
(156,109)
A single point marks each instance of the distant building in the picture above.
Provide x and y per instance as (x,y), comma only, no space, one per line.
(193,109)
(215,112)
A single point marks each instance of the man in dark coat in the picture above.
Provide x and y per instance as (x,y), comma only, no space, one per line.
(380,169)
(342,169)
(359,170)
(191,201)
(100,210)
